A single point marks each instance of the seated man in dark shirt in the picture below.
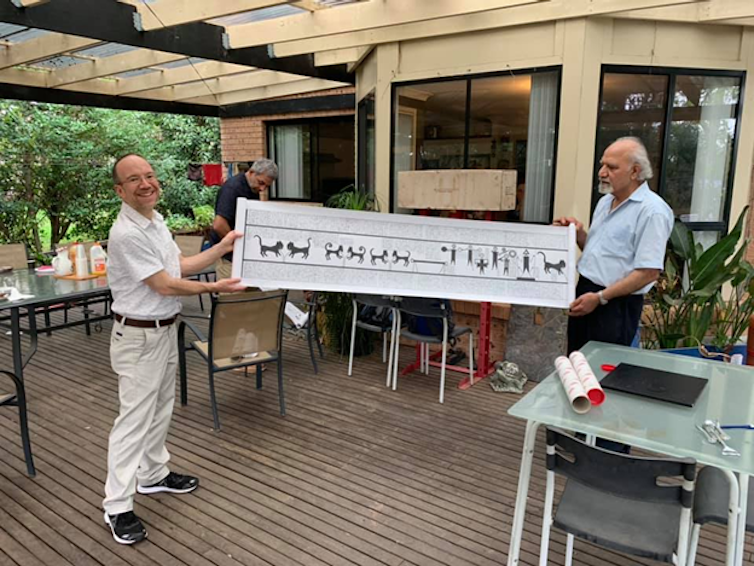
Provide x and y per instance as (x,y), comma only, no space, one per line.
(253,184)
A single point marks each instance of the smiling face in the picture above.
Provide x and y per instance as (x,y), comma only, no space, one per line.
(619,172)
(137,184)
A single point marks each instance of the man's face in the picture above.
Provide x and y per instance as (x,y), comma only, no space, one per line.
(617,173)
(137,184)
(259,183)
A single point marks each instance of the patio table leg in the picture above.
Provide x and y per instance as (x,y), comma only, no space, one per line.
(733,515)
(527,456)
(743,494)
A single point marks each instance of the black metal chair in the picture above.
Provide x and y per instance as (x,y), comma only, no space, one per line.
(18,399)
(432,309)
(382,326)
(246,329)
(615,501)
(711,504)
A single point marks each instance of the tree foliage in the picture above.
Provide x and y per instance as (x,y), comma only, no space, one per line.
(57,160)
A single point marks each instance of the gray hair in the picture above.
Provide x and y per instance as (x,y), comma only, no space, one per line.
(265,167)
(640,156)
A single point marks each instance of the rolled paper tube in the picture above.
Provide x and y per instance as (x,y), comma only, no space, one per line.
(574,389)
(587,378)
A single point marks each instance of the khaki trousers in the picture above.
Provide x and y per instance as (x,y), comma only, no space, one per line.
(223,269)
(145,360)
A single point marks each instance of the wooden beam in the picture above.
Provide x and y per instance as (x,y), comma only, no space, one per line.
(42,48)
(310,5)
(171,77)
(262,93)
(220,85)
(167,13)
(105,66)
(689,13)
(340,56)
(715,10)
(502,18)
(28,3)
(357,17)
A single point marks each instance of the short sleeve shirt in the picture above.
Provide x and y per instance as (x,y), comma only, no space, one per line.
(633,236)
(235,187)
(137,249)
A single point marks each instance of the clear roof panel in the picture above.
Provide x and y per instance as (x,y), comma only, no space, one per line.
(59,62)
(258,15)
(22,34)
(106,50)
(136,73)
(182,63)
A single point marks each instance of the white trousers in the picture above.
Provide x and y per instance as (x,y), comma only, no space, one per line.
(145,360)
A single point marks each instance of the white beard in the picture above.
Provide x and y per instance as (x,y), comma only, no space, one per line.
(605,188)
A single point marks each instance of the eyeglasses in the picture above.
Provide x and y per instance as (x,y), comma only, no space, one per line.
(137,179)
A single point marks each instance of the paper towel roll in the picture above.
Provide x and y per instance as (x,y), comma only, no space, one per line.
(587,378)
(574,389)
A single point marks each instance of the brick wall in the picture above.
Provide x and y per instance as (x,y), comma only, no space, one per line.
(245,139)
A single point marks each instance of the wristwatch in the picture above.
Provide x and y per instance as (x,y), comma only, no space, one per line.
(603,300)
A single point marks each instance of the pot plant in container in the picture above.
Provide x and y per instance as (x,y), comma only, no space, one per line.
(704,298)
(338,307)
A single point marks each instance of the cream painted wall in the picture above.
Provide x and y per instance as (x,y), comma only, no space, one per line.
(366,76)
(581,46)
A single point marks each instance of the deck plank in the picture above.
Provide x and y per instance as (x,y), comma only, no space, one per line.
(355,474)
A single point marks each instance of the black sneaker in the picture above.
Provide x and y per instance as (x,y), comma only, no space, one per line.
(172,483)
(126,527)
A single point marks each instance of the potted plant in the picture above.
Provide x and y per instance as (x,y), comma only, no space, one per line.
(338,307)
(703,297)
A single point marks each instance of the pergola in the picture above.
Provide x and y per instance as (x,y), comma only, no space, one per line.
(230,57)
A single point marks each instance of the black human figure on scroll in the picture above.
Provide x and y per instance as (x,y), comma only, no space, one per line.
(526,262)
(482,264)
(330,250)
(506,265)
(375,257)
(452,250)
(404,258)
(303,250)
(360,254)
(559,267)
(471,256)
(495,255)
(264,249)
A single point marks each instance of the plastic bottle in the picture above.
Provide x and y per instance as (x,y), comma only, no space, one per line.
(82,265)
(98,259)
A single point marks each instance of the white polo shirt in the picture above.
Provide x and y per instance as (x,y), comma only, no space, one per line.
(137,249)
(633,236)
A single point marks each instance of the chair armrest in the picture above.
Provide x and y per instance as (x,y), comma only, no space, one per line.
(182,331)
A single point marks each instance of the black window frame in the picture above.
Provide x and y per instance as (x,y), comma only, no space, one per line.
(672,73)
(469,78)
(367,103)
(313,148)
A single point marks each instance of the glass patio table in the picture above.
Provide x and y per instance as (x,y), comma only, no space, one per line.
(48,294)
(652,425)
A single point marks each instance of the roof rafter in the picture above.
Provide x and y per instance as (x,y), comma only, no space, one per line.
(340,56)
(171,77)
(42,48)
(715,10)
(167,13)
(104,66)
(690,13)
(296,87)
(28,3)
(355,17)
(501,18)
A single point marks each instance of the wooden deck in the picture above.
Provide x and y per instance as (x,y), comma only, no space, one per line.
(354,474)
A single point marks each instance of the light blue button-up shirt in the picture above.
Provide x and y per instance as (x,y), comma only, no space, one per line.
(633,236)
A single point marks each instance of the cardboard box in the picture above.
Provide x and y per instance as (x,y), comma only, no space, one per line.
(458,189)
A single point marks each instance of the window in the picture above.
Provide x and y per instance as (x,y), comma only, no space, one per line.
(487,122)
(315,158)
(366,124)
(688,120)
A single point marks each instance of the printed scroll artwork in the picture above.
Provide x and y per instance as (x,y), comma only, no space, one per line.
(298,247)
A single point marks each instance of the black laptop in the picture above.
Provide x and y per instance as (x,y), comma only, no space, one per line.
(655,384)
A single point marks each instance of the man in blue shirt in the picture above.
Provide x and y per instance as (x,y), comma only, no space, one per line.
(624,252)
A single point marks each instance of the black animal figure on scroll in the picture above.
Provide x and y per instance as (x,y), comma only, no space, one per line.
(330,250)
(559,267)
(264,249)
(452,251)
(404,258)
(303,250)
(375,257)
(360,254)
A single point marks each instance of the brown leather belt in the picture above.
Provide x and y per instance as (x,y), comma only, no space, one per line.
(144,323)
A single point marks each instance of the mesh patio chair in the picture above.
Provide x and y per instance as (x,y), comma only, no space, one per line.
(14,256)
(18,399)
(614,500)
(245,329)
(432,309)
(192,245)
(383,325)
(711,504)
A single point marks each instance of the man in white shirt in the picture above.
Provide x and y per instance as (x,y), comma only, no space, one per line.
(624,252)
(145,271)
